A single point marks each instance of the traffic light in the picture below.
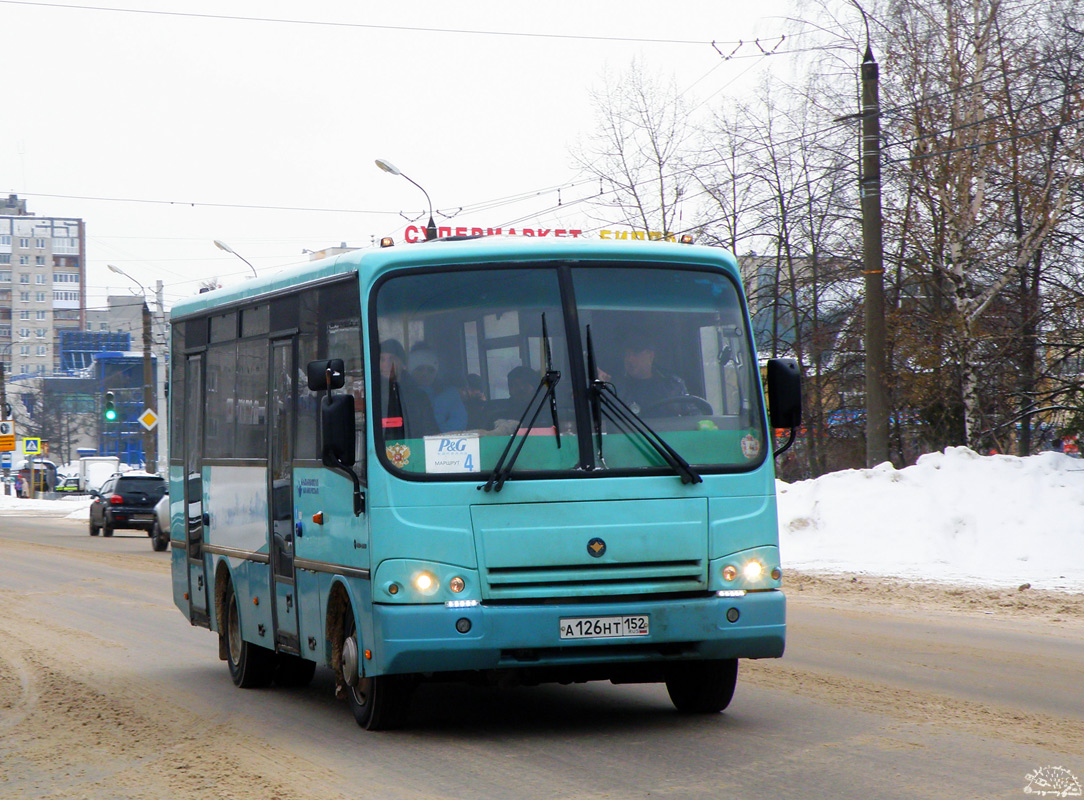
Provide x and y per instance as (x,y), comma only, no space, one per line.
(110,408)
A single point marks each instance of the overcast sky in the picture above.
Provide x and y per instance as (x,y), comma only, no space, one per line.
(102,107)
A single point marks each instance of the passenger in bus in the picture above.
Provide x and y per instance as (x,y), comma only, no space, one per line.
(522,383)
(448,408)
(473,395)
(416,409)
(643,385)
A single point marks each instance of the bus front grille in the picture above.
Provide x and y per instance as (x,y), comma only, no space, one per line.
(596,579)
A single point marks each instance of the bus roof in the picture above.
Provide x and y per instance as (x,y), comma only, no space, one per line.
(371,262)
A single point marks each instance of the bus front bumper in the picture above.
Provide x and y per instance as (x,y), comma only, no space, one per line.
(428,639)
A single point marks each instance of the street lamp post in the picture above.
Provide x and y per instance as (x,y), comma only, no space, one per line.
(223,246)
(431,227)
(150,451)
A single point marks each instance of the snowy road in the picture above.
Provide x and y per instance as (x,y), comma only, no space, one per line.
(106,692)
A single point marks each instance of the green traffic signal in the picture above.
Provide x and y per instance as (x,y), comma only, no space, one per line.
(110,408)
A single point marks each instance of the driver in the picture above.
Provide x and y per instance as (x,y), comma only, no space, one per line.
(644,385)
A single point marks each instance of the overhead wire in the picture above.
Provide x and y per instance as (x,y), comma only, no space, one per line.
(519,197)
(983,121)
(986,143)
(361,25)
(200,203)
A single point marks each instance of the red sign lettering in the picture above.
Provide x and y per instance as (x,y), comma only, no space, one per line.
(416,233)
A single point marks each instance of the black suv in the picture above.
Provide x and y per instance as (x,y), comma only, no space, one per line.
(126,501)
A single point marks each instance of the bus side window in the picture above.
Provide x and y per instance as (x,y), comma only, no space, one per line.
(330,328)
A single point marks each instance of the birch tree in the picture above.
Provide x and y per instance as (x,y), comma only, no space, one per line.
(965,139)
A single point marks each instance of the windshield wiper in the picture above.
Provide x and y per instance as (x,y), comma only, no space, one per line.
(546,389)
(605,401)
(594,391)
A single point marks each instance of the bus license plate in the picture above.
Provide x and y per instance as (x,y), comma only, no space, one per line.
(604,627)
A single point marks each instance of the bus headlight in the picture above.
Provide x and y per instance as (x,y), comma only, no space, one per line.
(752,570)
(755,569)
(407,580)
(426,582)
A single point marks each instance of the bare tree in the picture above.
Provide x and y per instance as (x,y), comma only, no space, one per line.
(776,182)
(995,189)
(639,151)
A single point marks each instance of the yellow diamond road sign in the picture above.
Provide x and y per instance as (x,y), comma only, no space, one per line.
(148,419)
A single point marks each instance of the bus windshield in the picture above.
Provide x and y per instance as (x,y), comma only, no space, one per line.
(461,356)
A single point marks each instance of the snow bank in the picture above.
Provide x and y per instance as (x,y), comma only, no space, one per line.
(76,507)
(953,516)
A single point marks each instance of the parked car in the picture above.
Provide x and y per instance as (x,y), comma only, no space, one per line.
(160,531)
(68,485)
(126,501)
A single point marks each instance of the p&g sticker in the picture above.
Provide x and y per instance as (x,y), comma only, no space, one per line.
(452,454)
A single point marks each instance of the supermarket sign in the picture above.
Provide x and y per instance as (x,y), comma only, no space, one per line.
(416,233)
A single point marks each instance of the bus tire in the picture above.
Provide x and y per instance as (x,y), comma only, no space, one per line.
(378,703)
(702,687)
(251,666)
(293,672)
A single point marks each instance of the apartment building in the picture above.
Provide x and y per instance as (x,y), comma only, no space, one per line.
(42,286)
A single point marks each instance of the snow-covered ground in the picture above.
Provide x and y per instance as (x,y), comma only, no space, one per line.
(954,516)
(74,507)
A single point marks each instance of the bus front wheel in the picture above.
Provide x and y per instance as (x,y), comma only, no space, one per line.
(251,666)
(702,687)
(378,703)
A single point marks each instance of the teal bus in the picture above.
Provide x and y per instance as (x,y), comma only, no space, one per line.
(488,459)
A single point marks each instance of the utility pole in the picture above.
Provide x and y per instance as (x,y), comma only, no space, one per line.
(161,337)
(873,266)
(4,416)
(150,456)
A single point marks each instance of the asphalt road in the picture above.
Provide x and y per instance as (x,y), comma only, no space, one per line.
(106,692)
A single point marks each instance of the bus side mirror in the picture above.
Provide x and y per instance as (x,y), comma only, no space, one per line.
(784,393)
(326,375)
(337,429)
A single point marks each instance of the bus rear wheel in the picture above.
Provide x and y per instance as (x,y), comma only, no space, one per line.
(378,703)
(702,687)
(251,666)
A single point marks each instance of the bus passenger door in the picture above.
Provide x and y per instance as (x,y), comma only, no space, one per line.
(193,487)
(283,402)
